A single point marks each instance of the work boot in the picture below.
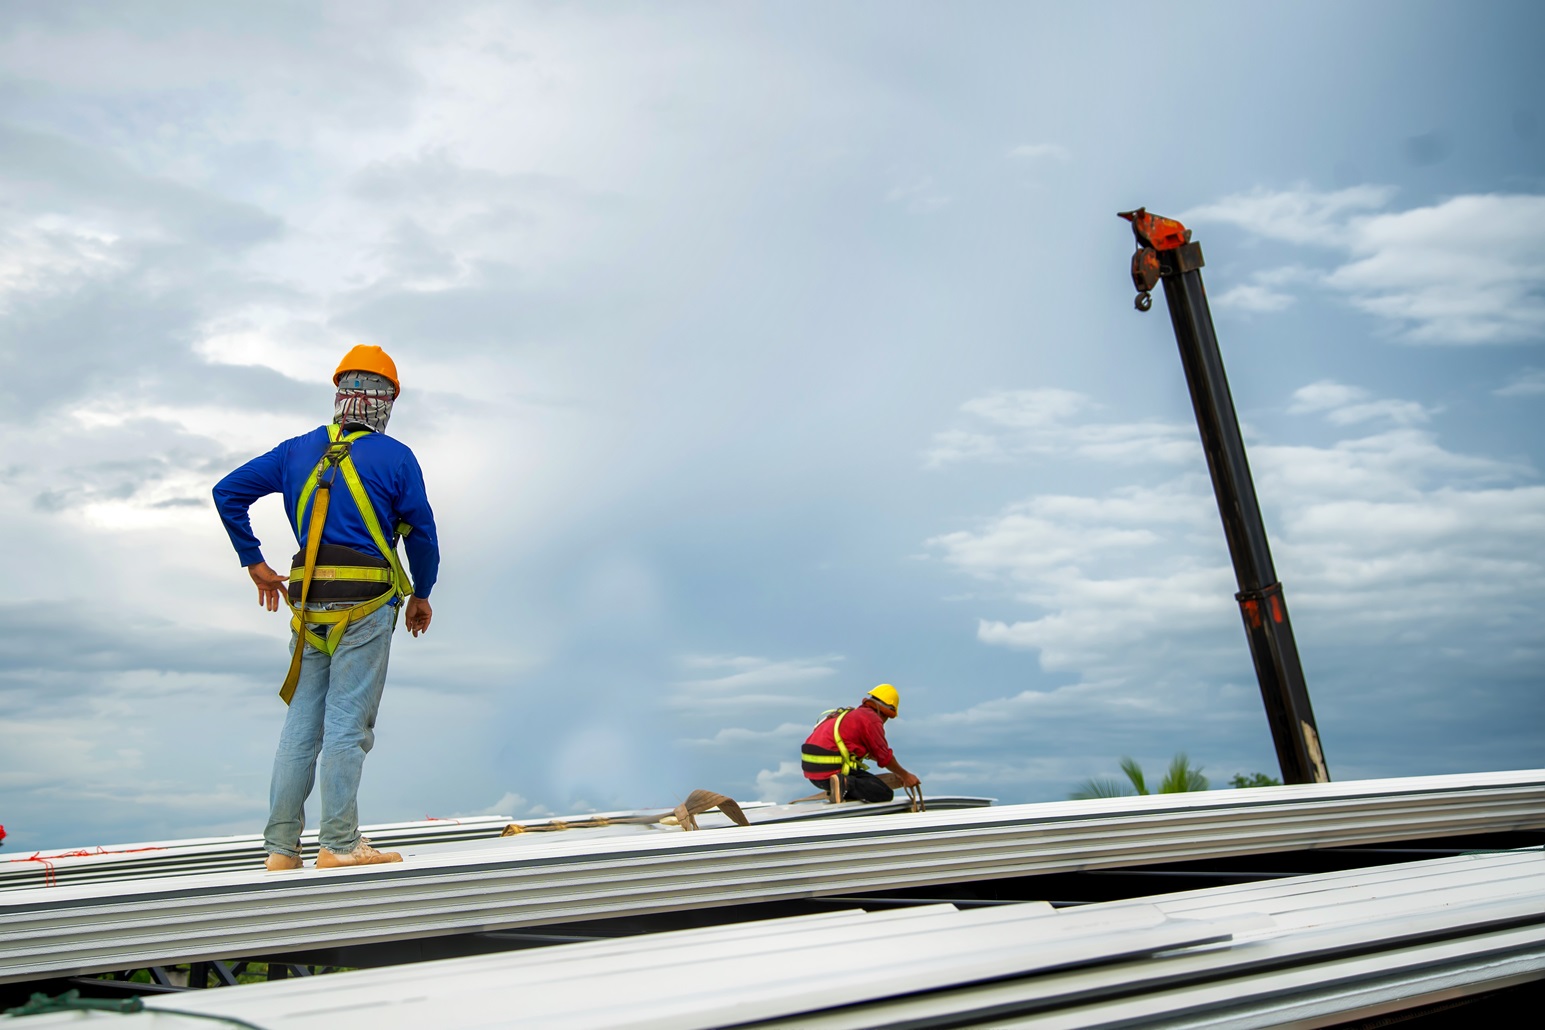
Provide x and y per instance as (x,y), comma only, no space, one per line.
(278,862)
(363,854)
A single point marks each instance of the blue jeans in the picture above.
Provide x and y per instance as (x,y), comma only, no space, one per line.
(333,713)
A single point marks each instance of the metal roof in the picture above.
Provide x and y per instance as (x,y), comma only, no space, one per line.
(157,859)
(1310,950)
(535,879)
(147,859)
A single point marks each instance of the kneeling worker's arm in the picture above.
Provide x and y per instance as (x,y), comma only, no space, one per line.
(907,779)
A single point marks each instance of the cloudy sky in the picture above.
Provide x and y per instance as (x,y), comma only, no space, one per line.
(758,353)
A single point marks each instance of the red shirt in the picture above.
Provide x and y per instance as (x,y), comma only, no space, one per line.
(863,731)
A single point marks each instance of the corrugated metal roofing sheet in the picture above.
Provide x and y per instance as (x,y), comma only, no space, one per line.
(159,859)
(1307,950)
(210,854)
(518,881)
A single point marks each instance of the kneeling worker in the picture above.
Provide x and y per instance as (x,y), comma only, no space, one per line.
(844,738)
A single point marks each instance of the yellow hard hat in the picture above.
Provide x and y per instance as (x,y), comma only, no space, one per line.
(886,695)
(367,357)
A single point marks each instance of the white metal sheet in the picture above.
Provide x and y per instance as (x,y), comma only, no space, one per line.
(440,889)
(1114,964)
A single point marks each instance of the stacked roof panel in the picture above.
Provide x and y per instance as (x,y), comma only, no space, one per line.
(535,879)
(150,859)
(1307,950)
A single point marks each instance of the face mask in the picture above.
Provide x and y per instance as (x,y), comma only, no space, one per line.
(364,399)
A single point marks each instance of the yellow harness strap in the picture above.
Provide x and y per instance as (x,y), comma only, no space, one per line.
(357,573)
(318,491)
(313,541)
(844,758)
(849,763)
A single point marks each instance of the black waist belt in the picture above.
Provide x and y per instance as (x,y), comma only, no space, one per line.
(815,759)
(341,574)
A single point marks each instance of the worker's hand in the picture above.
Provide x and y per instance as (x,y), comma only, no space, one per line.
(909,780)
(269,584)
(419,614)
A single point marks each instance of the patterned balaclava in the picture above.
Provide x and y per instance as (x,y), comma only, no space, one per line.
(363,399)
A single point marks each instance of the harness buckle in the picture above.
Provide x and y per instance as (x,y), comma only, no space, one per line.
(332,460)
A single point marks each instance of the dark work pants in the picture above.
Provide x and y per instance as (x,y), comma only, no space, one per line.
(861,785)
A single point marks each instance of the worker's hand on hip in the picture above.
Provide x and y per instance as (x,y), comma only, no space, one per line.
(419,614)
(269,583)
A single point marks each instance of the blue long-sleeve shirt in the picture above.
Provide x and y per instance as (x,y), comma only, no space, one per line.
(392,479)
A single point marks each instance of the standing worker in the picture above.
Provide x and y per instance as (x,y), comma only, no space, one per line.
(844,738)
(345,487)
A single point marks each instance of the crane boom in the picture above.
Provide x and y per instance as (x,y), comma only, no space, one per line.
(1166,254)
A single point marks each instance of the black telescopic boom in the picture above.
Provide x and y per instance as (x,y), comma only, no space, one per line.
(1166,254)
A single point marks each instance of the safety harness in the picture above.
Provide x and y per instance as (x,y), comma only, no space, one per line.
(811,754)
(317,492)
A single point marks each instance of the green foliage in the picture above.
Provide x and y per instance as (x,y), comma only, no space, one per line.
(1101,787)
(245,972)
(1254,780)
(1179,778)
(255,973)
(1134,772)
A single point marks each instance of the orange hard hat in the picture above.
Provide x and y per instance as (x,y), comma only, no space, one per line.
(367,357)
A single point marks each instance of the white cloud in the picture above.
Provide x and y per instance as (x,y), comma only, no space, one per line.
(52,252)
(1325,394)
(1025,409)
(1034,152)
(1528,383)
(1266,292)
(1113,580)
(1029,704)
(1253,298)
(919,195)
(1348,405)
(1464,271)
(957,445)
(290,339)
(1396,464)
(95,761)
(1467,270)
(737,738)
(973,776)
(777,703)
(1032,538)
(597,760)
(1082,631)
(514,805)
(783,784)
(1295,216)
(751,682)
(657,363)
(1010,424)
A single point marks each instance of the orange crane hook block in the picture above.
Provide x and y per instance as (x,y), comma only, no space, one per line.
(1154,233)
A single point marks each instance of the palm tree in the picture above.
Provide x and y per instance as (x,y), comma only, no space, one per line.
(1178,779)
(1181,778)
